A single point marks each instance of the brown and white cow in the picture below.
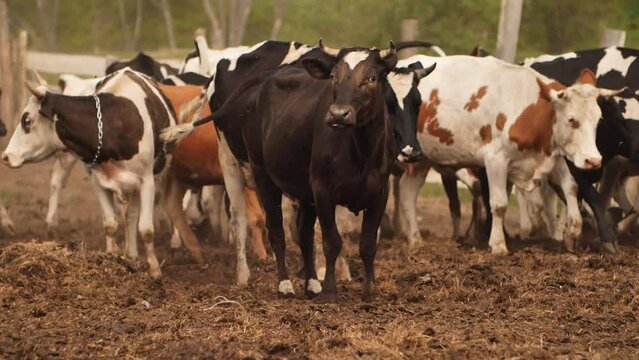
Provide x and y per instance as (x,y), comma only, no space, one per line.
(511,120)
(133,111)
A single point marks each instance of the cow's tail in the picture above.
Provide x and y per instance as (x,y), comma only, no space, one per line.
(189,113)
(413,44)
(203,51)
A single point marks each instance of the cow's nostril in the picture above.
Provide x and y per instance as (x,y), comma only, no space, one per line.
(593,163)
(5,159)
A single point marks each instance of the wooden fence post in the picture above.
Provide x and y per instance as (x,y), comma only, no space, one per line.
(6,103)
(508,35)
(409,32)
(613,37)
(21,67)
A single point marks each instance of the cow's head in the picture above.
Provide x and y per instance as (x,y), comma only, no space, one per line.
(357,77)
(577,116)
(35,138)
(403,101)
(618,134)
(3,129)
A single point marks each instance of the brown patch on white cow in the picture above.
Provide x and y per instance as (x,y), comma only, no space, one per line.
(533,128)
(501,121)
(486,134)
(428,118)
(473,103)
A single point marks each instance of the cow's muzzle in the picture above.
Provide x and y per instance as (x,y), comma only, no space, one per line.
(6,160)
(592,163)
(340,116)
(409,154)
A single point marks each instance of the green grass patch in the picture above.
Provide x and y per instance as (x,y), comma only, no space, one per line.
(435,190)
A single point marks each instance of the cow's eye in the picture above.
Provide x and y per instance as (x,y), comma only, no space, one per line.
(573,122)
(25,122)
(371,79)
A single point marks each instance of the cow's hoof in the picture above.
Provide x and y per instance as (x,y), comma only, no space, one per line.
(328,298)
(199,259)
(569,244)
(243,275)
(500,249)
(313,288)
(156,275)
(609,248)
(285,290)
(369,294)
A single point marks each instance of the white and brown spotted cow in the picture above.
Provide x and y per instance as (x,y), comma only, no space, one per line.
(511,120)
(133,112)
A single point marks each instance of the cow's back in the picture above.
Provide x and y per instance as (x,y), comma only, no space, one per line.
(469,105)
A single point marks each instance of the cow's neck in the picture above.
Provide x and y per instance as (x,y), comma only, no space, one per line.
(534,128)
(75,123)
(371,140)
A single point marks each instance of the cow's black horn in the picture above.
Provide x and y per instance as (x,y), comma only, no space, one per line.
(388,52)
(326,49)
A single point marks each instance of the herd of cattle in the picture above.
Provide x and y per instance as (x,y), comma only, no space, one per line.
(340,127)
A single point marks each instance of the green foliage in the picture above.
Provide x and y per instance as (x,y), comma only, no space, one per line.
(94,26)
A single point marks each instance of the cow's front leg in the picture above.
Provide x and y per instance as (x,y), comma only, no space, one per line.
(109,218)
(409,186)
(331,240)
(588,192)
(368,242)
(145,225)
(306,226)
(271,197)
(59,174)
(497,176)
(573,221)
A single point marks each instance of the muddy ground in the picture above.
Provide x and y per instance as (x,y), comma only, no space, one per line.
(67,299)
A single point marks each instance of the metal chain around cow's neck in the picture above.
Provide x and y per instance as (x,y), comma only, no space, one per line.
(100,132)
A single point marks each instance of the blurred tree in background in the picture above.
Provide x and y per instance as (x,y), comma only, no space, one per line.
(119,26)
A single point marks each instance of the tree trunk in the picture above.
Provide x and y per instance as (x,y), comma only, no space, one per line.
(6,76)
(124,22)
(137,29)
(279,9)
(165,9)
(240,11)
(217,33)
(48,22)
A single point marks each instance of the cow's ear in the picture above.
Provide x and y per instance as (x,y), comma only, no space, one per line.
(46,109)
(316,68)
(587,77)
(422,73)
(544,90)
